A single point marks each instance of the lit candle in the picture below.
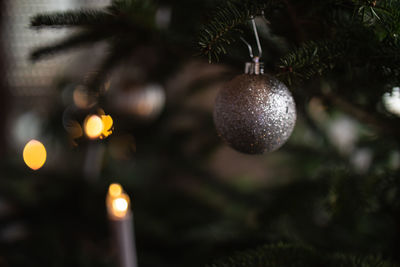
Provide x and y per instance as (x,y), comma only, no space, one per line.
(121,220)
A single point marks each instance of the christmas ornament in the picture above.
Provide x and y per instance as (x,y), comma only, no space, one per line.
(254,113)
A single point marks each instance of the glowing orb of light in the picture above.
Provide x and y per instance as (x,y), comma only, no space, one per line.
(120,206)
(107,126)
(34,154)
(93,126)
(115,190)
(117,201)
(392,101)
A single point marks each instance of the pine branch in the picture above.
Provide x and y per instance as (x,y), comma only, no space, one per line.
(138,12)
(115,23)
(131,6)
(310,59)
(70,18)
(384,15)
(116,54)
(296,256)
(352,41)
(227,21)
(119,12)
(81,38)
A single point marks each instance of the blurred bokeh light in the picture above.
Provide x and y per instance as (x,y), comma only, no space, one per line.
(392,101)
(93,126)
(34,154)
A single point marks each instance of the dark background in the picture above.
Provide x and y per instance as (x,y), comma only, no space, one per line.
(333,186)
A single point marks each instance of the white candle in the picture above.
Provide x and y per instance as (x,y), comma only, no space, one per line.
(121,221)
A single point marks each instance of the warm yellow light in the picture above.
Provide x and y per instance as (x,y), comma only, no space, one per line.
(117,201)
(120,205)
(93,126)
(107,125)
(115,190)
(34,154)
(98,126)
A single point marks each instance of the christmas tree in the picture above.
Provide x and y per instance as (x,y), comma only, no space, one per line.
(135,106)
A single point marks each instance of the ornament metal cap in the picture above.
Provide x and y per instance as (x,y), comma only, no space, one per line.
(256,67)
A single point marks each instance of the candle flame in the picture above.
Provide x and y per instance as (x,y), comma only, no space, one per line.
(120,207)
(117,201)
(115,190)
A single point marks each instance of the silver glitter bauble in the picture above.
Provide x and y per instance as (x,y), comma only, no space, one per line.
(255,113)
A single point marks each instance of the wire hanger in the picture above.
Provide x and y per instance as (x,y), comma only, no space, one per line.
(255,58)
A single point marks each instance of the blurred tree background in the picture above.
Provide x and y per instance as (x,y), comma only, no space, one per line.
(329,197)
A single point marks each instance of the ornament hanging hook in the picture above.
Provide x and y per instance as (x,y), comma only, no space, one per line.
(257,38)
(256,66)
(255,58)
(248,46)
